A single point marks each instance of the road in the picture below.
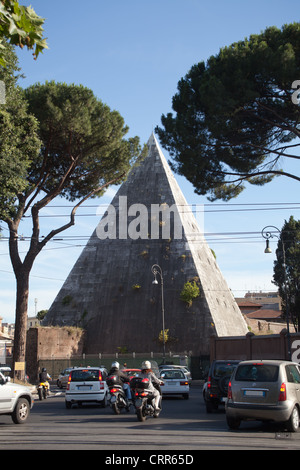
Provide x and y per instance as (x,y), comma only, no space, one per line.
(183,426)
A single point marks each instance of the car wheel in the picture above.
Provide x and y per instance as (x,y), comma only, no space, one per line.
(68,405)
(293,422)
(21,411)
(233,423)
(186,396)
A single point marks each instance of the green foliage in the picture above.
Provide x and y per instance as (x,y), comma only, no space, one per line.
(66,300)
(19,141)
(136,287)
(189,292)
(164,334)
(41,314)
(83,141)
(22,27)
(290,236)
(234,117)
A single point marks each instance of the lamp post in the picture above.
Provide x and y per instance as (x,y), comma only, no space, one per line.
(267,234)
(156,270)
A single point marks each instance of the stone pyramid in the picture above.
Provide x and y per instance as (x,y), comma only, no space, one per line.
(110,291)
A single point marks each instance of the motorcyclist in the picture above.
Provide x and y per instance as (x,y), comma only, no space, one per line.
(44,377)
(123,379)
(154,383)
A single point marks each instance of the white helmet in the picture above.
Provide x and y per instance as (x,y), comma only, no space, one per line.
(146,365)
(116,365)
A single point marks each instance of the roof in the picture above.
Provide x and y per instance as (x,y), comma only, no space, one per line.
(264,314)
(247,303)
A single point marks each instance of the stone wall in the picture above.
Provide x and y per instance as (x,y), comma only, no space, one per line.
(51,343)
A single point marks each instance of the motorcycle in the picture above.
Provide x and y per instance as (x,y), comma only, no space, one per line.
(118,399)
(43,390)
(144,399)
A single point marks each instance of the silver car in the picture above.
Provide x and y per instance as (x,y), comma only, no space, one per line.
(63,377)
(264,391)
(185,369)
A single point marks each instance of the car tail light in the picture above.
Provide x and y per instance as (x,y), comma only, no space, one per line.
(100,375)
(229,392)
(69,380)
(184,383)
(208,382)
(282,392)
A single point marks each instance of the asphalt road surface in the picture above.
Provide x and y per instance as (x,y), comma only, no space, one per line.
(183,429)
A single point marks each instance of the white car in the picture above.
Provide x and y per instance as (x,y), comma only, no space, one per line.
(15,400)
(87,385)
(174,366)
(175,383)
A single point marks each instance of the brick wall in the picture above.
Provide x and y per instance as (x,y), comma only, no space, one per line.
(51,343)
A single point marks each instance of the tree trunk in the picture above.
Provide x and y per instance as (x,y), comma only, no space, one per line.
(21,320)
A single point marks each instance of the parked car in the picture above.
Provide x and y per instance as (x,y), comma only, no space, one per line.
(5,370)
(265,391)
(175,383)
(215,388)
(15,400)
(63,377)
(184,368)
(87,385)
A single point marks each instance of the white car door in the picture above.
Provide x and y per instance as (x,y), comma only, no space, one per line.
(7,394)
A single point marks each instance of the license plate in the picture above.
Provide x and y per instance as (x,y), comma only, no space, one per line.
(113,399)
(170,382)
(138,402)
(254,393)
(84,387)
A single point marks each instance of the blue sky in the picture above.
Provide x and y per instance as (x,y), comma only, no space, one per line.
(132,55)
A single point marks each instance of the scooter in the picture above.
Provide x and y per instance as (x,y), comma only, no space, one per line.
(43,390)
(144,399)
(118,399)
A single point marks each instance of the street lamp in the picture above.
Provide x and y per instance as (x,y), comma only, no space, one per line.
(267,234)
(156,270)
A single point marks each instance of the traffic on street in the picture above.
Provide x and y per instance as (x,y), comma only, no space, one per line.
(183,428)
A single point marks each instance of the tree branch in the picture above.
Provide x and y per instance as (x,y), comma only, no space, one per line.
(73,212)
(244,176)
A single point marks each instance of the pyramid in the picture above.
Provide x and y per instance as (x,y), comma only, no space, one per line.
(110,291)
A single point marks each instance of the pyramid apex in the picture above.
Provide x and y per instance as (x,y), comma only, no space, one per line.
(152,140)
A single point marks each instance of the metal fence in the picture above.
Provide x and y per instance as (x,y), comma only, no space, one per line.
(197,365)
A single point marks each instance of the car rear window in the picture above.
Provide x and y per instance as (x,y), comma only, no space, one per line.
(222,369)
(172,374)
(257,372)
(85,375)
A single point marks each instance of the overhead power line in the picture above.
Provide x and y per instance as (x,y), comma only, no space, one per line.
(195,208)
